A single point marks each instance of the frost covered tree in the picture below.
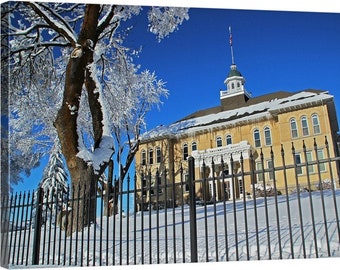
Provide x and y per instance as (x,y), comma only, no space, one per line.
(54,178)
(71,76)
(54,184)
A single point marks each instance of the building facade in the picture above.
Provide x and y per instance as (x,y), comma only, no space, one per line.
(243,133)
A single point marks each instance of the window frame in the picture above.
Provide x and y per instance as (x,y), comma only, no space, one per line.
(259,175)
(228,139)
(294,132)
(158,154)
(143,157)
(185,151)
(219,142)
(304,125)
(144,186)
(270,166)
(257,141)
(309,158)
(298,161)
(322,166)
(194,145)
(266,131)
(158,184)
(150,156)
(317,124)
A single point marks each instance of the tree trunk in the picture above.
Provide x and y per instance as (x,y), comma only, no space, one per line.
(83,211)
(82,174)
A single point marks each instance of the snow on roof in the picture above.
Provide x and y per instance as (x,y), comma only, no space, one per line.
(230,117)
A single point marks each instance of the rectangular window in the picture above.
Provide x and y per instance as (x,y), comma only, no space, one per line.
(298,162)
(144,192)
(270,166)
(322,166)
(158,155)
(150,156)
(309,157)
(143,157)
(159,183)
(259,175)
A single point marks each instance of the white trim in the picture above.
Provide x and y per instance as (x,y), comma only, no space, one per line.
(226,152)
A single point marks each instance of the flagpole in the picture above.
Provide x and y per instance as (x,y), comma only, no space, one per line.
(231,46)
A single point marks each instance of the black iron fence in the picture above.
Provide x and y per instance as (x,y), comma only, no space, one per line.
(177,224)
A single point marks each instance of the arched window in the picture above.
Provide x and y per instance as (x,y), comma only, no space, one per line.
(304,125)
(316,124)
(228,139)
(143,157)
(293,128)
(193,146)
(267,136)
(218,142)
(257,139)
(232,85)
(185,151)
(150,156)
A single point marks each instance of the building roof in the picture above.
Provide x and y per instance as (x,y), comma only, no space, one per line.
(244,110)
(234,72)
(240,102)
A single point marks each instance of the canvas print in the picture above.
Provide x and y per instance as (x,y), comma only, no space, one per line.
(151,135)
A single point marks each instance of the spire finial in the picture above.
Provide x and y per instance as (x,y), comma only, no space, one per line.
(231,46)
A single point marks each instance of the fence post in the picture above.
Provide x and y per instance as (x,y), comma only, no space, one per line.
(37,227)
(192,204)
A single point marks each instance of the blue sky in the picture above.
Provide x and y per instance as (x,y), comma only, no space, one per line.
(274,51)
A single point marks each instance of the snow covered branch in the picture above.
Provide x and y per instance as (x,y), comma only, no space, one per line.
(100,156)
(58,24)
(165,20)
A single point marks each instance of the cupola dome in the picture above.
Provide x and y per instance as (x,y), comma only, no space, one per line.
(234,72)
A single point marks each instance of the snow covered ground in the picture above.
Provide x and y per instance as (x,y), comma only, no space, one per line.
(225,232)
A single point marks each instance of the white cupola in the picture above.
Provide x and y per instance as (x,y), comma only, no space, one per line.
(234,81)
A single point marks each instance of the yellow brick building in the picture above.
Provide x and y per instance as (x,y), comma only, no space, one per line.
(254,129)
